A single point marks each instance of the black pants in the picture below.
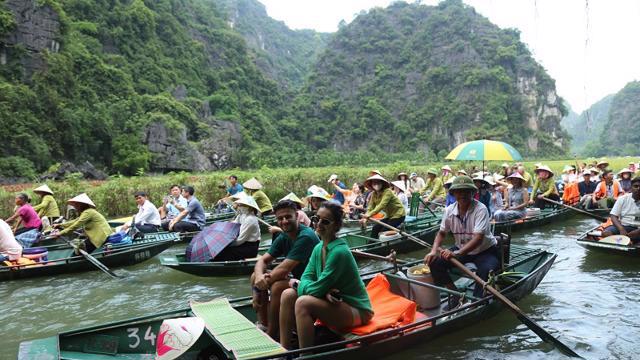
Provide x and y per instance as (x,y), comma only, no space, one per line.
(240,252)
(375,231)
(484,261)
(148,228)
(185,226)
(540,203)
(88,246)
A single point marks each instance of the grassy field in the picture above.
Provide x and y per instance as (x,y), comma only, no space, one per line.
(114,197)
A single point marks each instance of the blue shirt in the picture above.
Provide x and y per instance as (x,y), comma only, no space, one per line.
(337,195)
(196,212)
(450,199)
(232,190)
(172,210)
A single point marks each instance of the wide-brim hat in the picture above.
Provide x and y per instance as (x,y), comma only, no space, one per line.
(461,171)
(450,181)
(252,184)
(82,199)
(446,167)
(516,175)
(399,185)
(602,162)
(293,197)
(43,189)
(489,180)
(375,172)
(544,168)
(318,192)
(432,171)
(178,335)
(481,178)
(385,183)
(248,201)
(567,168)
(463,182)
(401,174)
(586,172)
(594,170)
(239,195)
(625,170)
(497,177)
(332,178)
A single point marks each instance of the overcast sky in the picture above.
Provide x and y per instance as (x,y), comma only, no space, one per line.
(589,46)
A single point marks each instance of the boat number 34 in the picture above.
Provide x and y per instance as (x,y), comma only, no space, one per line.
(134,337)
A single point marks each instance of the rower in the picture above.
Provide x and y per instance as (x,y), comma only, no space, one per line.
(625,214)
(468,220)
(415,182)
(295,244)
(233,189)
(433,190)
(625,179)
(95,225)
(48,206)
(254,188)
(24,215)
(383,199)
(147,220)
(546,185)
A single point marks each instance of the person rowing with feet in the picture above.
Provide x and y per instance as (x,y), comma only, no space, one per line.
(94,224)
(468,220)
(625,214)
(295,243)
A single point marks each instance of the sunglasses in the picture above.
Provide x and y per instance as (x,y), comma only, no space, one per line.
(320,220)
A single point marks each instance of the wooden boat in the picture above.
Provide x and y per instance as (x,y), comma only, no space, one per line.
(591,242)
(210,217)
(62,260)
(136,338)
(546,216)
(425,229)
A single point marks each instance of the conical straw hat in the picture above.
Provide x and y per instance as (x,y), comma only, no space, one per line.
(252,184)
(385,183)
(238,195)
(83,199)
(399,185)
(318,192)
(176,336)
(248,201)
(43,189)
(292,197)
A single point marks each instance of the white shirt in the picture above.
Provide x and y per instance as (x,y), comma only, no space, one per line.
(417,184)
(147,214)
(404,200)
(249,229)
(8,242)
(627,210)
(475,221)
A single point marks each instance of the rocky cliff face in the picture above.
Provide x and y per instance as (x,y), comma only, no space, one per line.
(37,29)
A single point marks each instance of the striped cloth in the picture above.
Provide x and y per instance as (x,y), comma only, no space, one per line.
(27,239)
(211,241)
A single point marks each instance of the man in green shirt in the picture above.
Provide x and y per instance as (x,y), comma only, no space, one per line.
(295,243)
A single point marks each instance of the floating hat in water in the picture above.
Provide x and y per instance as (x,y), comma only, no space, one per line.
(248,201)
(176,336)
(399,185)
(82,199)
(385,183)
(293,197)
(252,184)
(43,189)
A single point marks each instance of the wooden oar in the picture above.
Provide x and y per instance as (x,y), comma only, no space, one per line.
(391,258)
(542,333)
(595,216)
(93,260)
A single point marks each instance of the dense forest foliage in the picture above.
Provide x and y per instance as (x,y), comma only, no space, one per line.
(406,82)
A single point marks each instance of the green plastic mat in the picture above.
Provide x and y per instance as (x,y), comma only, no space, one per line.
(234,331)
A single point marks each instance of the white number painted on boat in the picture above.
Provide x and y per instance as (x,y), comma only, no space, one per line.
(143,255)
(148,335)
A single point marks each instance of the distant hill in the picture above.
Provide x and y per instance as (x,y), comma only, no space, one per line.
(585,128)
(621,134)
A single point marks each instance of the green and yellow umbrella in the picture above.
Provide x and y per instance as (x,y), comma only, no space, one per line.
(484,150)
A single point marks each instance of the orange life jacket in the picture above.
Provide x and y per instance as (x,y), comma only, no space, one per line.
(601,190)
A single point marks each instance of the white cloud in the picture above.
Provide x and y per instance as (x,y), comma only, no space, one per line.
(554,30)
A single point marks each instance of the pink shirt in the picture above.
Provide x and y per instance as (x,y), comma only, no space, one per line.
(29,217)
(303,218)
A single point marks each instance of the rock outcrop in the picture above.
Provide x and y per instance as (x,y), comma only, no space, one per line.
(66,168)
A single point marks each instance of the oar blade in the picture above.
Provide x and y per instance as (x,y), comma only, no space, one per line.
(98,264)
(544,335)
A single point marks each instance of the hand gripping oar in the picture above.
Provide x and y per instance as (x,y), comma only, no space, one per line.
(93,260)
(542,333)
(595,216)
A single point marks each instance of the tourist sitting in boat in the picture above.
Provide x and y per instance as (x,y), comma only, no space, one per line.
(506,170)
(568,177)
(501,182)
(625,179)
(315,197)
(337,196)
(416,182)
(433,190)
(383,199)
(245,246)
(633,166)
(24,215)
(399,191)
(295,244)
(468,220)
(516,200)
(404,179)
(450,199)
(482,194)
(231,190)
(607,191)
(447,173)
(10,249)
(496,203)
(192,218)
(625,214)
(147,220)
(586,187)
(303,218)
(94,224)
(172,205)
(544,187)
(254,188)
(354,200)
(48,206)
(330,289)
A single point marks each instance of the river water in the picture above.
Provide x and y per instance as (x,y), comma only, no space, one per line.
(590,301)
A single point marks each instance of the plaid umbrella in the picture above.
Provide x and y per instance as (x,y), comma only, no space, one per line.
(211,241)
